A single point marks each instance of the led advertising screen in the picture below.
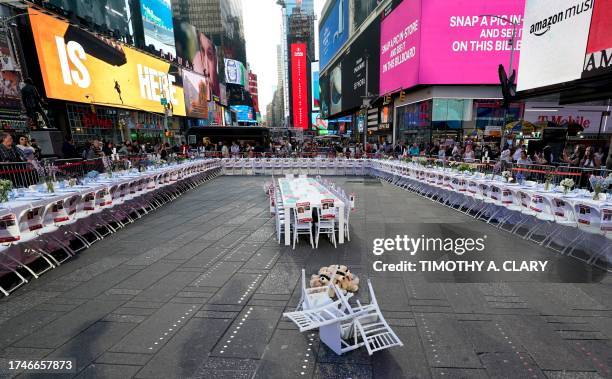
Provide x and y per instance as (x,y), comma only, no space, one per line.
(10,74)
(186,40)
(333,30)
(316,91)
(244,113)
(299,85)
(200,52)
(235,73)
(400,44)
(205,63)
(157,24)
(77,66)
(598,59)
(196,92)
(318,123)
(354,81)
(555,38)
(457,42)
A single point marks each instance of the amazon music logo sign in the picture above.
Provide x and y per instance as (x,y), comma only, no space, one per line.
(544,25)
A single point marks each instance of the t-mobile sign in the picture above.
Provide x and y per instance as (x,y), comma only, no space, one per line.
(448,42)
(299,84)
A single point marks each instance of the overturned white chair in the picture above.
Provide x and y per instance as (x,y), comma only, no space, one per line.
(344,328)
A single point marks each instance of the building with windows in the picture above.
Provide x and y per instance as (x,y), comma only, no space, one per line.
(220,20)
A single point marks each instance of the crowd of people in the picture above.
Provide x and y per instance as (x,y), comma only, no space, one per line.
(24,149)
(578,156)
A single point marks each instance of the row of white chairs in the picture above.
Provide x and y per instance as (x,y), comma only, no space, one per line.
(296,166)
(41,236)
(577,228)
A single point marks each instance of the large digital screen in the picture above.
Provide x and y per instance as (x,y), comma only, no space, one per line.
(458,42)
(598,58)
(315,90)
(333,30)
(299,85)
(318,123)
(400,45)
(235,73)
(362,58)
(196,91)
(157,24)
(200,52)
(244,113)
(78,66)
(10,74)
(555,38)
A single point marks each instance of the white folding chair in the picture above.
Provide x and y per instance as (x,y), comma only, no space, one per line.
(326,223)
(302,222)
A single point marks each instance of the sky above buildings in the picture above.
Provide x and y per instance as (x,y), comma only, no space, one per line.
(262,26)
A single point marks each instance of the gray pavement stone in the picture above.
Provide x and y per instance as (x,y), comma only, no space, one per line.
(186,349)
(123,359)
(249,339)
(69,325)
(149,336)
(100,283)
(107,371)
(167,287)
(546,347)
(147,277)
(91,343)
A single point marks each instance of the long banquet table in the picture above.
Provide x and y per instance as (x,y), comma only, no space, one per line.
(580,198)
(307,189)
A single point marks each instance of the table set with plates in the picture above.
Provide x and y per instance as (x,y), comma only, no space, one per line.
(541,212)
(50,215)
(295,200)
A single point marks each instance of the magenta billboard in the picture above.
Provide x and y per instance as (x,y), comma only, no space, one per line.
(400,45)
(447,42)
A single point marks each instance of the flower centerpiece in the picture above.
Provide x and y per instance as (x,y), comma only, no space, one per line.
(465,168)
(567,185)
(46,174)
(5,188)
(548,179)
(507,175)
(600,184)
(108,166)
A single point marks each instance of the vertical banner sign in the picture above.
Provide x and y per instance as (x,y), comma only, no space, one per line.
(299,82)
(598,59)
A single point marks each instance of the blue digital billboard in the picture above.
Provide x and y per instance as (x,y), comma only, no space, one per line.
(157,24)
(244,113)
(333,31)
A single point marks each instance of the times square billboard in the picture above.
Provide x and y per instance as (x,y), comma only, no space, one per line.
(78,66)
(299,86)
(447,42)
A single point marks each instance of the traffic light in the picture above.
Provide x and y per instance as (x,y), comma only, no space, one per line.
(402,96)
(387,99)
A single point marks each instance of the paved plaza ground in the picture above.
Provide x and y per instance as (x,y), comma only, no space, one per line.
(197,289)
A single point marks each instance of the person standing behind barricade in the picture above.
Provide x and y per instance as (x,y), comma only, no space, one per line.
(8,152)
(69,151)
(588,159)
(26,149)
(94,151)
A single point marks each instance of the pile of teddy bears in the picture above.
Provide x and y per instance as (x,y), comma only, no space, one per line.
(340,275)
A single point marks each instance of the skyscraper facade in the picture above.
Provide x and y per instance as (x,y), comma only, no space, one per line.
(298,28)
(220,20)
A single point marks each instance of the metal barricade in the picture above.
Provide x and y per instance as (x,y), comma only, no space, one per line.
(22,174)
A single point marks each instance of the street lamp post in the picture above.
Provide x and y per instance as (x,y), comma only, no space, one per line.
(512,45)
